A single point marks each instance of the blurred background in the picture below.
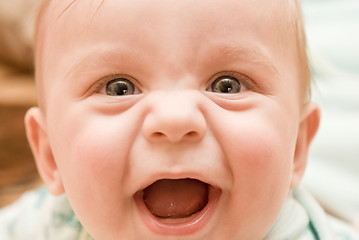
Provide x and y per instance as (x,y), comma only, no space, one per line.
(333,44)
(332,174)
(17,94)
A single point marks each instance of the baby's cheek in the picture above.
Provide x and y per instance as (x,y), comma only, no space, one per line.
(94,169)
(258,147)
(101,151)
(261,173)
(260,158)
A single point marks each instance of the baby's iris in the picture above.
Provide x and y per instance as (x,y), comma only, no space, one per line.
(120,87)
(226,84)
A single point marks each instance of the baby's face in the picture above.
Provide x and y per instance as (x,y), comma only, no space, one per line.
(171,118)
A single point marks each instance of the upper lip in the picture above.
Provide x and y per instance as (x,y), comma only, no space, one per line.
(156,177)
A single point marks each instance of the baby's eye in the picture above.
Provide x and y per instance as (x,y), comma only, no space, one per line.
(226,84)
(120,87)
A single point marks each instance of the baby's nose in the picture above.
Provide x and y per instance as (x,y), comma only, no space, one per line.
(174,117)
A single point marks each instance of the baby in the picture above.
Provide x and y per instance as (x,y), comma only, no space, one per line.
(175,119)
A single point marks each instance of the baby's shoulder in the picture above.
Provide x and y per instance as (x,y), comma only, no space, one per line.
(39,215)
(321,225)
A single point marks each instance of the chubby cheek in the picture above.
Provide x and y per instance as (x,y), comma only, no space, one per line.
(259,148)
(91,153)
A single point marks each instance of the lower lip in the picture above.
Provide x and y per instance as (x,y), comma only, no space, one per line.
(179,226)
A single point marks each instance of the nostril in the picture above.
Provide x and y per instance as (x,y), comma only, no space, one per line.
(174,137)
(192,134)
(158,135)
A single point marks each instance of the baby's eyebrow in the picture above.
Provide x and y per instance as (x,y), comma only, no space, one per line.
(250,54)
(99,56)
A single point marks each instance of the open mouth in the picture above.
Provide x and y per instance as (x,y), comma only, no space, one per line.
(174,199)
(177,206)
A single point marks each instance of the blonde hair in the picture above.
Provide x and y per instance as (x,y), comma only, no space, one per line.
(296,30)
(305,74)
(39,48)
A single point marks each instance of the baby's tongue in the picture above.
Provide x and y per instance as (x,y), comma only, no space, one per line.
(169,198)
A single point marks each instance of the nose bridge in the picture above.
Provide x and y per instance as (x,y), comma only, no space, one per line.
(174,116)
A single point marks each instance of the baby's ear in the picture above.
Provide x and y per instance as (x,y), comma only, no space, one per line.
(306,132)
(41,149)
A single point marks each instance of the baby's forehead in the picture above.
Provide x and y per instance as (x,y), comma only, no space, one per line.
(158,18)
(191,21)
(272,8)
(68,16)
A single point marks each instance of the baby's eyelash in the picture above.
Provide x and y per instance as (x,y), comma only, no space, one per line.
(98,85)
(242,78)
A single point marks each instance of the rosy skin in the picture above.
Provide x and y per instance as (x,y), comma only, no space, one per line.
(251,146)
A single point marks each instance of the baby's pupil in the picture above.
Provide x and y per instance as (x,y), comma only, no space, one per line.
(225,85)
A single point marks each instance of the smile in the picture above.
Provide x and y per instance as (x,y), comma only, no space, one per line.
(177,206)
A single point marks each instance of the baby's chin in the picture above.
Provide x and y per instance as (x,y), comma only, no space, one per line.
(177,206)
